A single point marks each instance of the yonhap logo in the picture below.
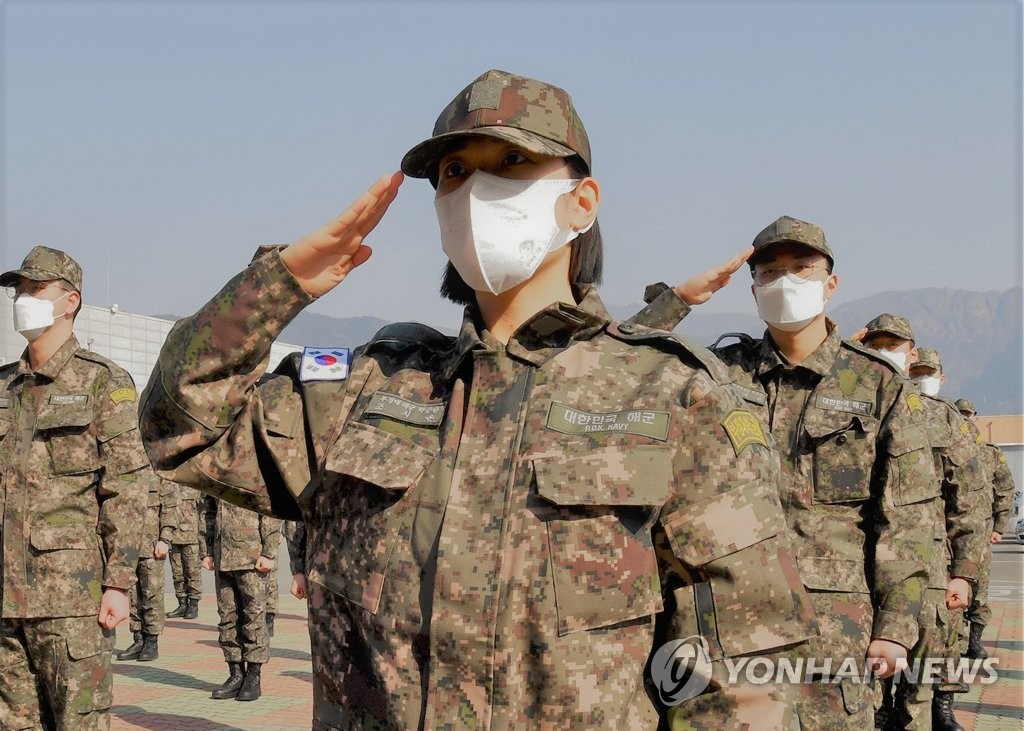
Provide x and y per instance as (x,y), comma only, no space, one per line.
(681,669)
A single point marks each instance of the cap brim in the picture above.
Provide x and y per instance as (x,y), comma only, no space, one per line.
(420,161)
(763,249)
(9,279)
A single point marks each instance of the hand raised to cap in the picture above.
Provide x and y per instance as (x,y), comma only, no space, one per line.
(322,259)
(698,290)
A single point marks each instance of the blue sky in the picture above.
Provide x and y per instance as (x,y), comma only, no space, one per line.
(160,143)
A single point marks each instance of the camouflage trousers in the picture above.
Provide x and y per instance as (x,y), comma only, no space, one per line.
(56,674)
(185,574)
(147,598)
(979,612)
(912,697)
(242,606)
(272,590)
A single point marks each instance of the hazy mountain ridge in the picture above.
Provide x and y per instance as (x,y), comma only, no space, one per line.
(980,335)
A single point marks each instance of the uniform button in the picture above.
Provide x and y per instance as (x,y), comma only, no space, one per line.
(841,439)
(627,328)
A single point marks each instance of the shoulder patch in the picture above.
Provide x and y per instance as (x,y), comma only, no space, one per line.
(743,429)
(122,394)
(914,402)
(632,332)
(324,364)
(965,429)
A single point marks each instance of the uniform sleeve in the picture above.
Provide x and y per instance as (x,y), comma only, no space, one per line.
(904,525)
(295,537)
(123,489)
(270,536)
(962,493)
(207,525)
(728,570)
(169,502)
(1002,490)
(664,310)
(208,420)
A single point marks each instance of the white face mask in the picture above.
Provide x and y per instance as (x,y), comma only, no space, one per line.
(929,385)
(497,231)
(32,315)
(896,357)
(789,302)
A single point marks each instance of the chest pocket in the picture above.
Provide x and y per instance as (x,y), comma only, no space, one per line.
(73,448)
(843,454)
(598,509)
(361,508)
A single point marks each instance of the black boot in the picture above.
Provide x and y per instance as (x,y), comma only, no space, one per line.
(251,685)
(179,611)
(974,649)
(132,651)
(942,712)
(191,609)
(229,688)
(270,624)
(883,712)
(149,651)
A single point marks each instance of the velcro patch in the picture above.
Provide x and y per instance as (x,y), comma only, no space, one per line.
(914,402)
(1002,458)
(401,409)
(645,422)
(752,395)
(5,403)
(324,364)
(68,399)
(743,429)
(965,430)
(830,403)
(125,393)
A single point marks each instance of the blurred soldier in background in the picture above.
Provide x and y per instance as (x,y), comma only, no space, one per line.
(188,582)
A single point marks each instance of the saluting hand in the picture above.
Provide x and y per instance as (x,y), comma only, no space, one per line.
(698,290)
(321,260)
(113,608)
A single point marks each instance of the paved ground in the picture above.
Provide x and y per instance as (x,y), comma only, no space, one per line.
(174,692)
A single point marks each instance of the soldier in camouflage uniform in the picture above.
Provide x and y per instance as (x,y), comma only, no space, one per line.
(858,479)
(188,587)
(959,536)
(241,547)
(996,509)
(295,536)
(72,503)
(147,599)
(273,591)
(504,526)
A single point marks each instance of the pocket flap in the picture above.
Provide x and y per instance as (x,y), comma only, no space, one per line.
(118,424)
(723,524)
(640,475)
(64,416)
(833,574)
(908,439)
(52,537)
(5,425)
(378,457)
(87,644)
(820,423)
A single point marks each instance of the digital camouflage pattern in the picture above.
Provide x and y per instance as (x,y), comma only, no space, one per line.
(184,553)
(295,537)
(887,324)
(786,229)
(42,264)
(532,114)
(235,537)
(73,501)
(147,596)
(497,566)
(242,607)
(858,488)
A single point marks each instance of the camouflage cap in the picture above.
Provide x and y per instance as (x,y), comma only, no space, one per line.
(786,230)
(43,264)
(929,357)
(966,407)
(890,325)
(533,114)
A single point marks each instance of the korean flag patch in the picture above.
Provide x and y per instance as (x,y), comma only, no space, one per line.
(324,364)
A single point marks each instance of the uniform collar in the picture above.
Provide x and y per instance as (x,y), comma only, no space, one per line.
(819,362)
(52,367)
(548,332)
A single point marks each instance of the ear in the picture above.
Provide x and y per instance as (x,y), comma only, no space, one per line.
(74,299)
(830,286)
(911,358)
(584,203)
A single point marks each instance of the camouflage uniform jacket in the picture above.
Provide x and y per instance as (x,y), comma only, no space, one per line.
(1002,487)
(74,483)
(235,537)
(295,537)
(858,476)
(161,513)
(480,516)
(186,529)
(960,527)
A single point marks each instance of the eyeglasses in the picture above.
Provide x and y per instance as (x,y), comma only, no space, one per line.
(31,289)
(767,275)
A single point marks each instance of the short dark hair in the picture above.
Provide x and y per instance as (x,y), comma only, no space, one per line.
(586,259)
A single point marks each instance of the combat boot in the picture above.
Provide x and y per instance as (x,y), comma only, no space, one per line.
(942,712)
(251,685)
(229,688)
(179,611)
(270,624)
(974,649)
(132,651)
(191,609)
(149,651)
